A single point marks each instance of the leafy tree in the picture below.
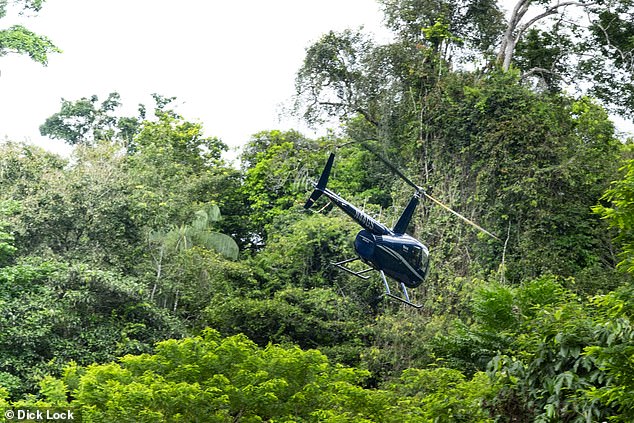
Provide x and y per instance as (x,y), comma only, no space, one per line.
(196,278)
(590,54)
(7,249)
(543,55)
(21,165)
(277,166)
(318,317)
(224,379)
(613,353)
(442,394)
(54,312)
(301,253)
(335,77)
(174,170)
(86,122)
(519,23)
(210,379)
(79,212)
(474,25)
(280,166)
(548,363)
(171,256)
(198,233)
(537,163)
(611,35)
(20,40)
(617,209)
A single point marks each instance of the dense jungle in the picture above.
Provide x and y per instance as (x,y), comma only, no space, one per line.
(147,278)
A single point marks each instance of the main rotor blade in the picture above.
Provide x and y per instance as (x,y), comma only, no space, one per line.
(470,222)
(392,167)
(421,190)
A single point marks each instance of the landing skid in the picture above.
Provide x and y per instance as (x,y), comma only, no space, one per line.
(405,300)
(361,274)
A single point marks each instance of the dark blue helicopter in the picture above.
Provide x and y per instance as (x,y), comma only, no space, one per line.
(391,252)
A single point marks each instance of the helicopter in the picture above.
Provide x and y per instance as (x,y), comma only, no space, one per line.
(391,252)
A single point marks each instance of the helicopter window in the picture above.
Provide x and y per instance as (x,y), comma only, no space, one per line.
(415,256)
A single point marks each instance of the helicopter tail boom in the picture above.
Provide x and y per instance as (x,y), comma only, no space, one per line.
(321,184)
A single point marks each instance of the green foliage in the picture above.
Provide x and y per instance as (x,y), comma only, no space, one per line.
(182,141)
(334,78)
(473,24)
(529,166)
(400,340)
(277,166)
(617,208)
(185,280)
(213,379)
(614,352)
(18,39)
(300,250)
(444,395)
(611,36)
(541,345)
(566,358)
(308,318)
(85,122)
(174,170)
(543,53)
(7,249)
(79,211)
(54,312)
(34,5)
(22,166)
(184,237)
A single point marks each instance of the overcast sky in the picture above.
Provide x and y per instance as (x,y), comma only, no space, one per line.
(230,63)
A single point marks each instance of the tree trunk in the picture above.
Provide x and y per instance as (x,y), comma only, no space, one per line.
(515,29)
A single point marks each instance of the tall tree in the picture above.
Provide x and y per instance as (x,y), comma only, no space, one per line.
(85,122)
(82,211)
(580,45)
(474,25)
(481,140)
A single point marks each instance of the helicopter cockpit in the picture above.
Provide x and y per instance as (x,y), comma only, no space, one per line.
(415,257)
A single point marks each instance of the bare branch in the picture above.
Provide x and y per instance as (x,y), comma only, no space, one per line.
(552,10)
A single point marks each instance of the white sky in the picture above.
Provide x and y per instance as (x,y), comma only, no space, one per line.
(229,63)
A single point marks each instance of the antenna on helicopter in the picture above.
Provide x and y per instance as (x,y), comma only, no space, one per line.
(424,193)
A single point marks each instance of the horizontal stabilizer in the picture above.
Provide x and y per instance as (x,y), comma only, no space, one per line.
(313,197)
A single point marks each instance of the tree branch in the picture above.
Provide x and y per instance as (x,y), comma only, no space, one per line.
(552,10)
(624,56)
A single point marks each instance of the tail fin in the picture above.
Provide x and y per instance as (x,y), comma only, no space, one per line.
(403,221)
(321,185)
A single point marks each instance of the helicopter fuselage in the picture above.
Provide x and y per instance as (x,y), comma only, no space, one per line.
(400,256)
